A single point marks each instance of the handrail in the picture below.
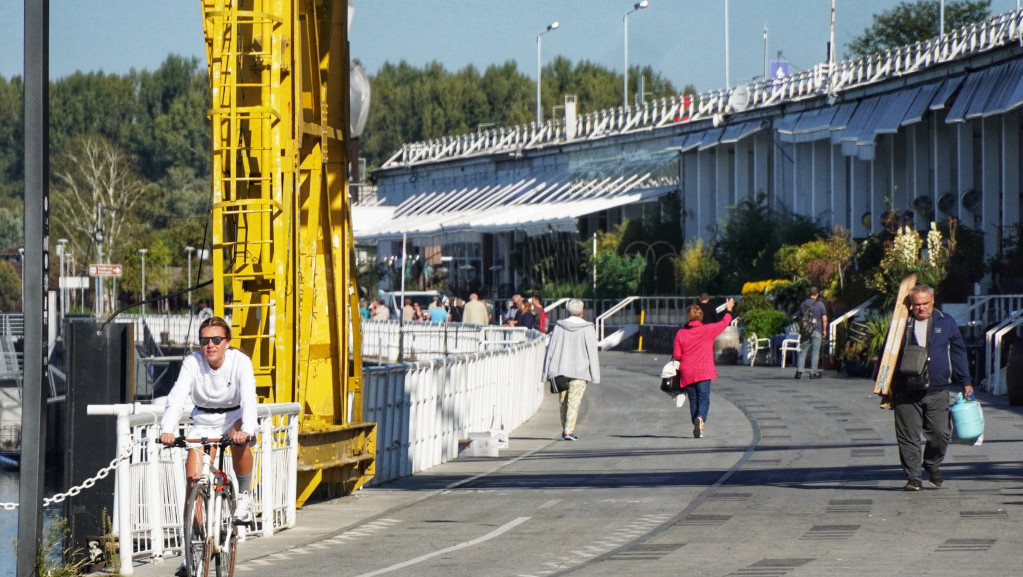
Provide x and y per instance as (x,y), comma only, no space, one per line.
(556,304)
(600,320)
(833,325)
(995,372)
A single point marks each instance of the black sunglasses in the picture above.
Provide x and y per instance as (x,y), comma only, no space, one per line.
(203,341)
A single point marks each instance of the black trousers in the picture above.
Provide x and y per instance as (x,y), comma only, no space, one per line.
(923,412)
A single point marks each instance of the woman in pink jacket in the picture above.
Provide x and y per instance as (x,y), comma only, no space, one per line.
(694,350)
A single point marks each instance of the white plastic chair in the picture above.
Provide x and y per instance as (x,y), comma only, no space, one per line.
(789,345)
(755,345)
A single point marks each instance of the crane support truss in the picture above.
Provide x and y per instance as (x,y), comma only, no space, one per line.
(283,247)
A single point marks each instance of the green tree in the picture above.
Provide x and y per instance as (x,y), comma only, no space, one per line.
(97,190)
(753,233)
(618,275)
(10,288)
(695,267)
(912,22)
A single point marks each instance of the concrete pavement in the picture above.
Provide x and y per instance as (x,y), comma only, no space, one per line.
(794,477)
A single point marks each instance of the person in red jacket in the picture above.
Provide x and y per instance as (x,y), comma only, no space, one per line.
(694,350)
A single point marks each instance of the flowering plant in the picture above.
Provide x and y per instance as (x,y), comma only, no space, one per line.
(903,256)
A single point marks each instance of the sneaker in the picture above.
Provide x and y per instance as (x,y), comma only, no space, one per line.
(816,375)
(243,508)
(680,401)
(936,479)
(570,437)
(182,570)
(912,485)
(799,375)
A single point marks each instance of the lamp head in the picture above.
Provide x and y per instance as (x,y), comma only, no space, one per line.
(553,25)
(642,5)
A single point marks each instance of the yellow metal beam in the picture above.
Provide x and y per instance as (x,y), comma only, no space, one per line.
(283,255)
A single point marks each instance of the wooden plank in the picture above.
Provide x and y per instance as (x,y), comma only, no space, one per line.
(893,343)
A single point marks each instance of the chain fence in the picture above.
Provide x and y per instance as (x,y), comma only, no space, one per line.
(86,484)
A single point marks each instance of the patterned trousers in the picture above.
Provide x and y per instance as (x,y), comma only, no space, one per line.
(570,401)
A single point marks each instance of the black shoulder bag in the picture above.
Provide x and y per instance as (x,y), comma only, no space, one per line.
(914,362)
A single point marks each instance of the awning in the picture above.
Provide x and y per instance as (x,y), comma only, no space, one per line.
(736,132)
(1009,92)
(538,203)
(711,137)
(807,126)
(945,91)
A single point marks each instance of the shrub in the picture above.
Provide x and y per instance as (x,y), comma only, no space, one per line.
(764,322)
(752,302)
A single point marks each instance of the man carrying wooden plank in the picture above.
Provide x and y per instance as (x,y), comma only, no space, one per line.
(932,361)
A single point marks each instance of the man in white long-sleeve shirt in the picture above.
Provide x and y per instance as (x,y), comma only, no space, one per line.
(220,383)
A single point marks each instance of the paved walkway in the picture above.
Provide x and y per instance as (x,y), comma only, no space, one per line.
(794,477)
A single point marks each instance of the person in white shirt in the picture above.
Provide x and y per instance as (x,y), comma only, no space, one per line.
(220,383)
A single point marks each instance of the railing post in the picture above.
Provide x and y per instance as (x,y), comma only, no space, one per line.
(154,502)
(122,514)
(267,478)
(292,484)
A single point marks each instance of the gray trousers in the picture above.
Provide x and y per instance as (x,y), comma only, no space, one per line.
(916,413)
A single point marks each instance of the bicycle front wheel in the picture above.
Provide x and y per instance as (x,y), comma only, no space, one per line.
(228,538)
(197,553)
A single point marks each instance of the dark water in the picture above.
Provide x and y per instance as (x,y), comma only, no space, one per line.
(9,521)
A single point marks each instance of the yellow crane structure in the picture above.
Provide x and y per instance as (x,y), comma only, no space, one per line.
(282,237)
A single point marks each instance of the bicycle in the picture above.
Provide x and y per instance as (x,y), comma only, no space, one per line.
(209,526)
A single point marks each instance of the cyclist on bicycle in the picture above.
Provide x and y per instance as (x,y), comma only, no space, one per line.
(221,384)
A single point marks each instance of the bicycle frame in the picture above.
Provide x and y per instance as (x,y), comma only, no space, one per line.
(208,485)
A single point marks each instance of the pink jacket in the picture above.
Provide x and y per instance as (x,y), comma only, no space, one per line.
(694,349)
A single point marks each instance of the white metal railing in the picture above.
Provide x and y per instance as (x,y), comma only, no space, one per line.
(423,409)
(176,329)
(994,379)
(815,82)
(149,492)
(425,340)
(986,310)
(601,320)
(852,313)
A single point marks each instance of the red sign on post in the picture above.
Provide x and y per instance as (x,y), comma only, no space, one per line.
(104,270)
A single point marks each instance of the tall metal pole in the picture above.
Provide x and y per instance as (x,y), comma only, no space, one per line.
(142,290)
(34,276)
(728,60)
(625,74)
(941,18)
(539,70)
(831,42)
(765,51)
(189,250)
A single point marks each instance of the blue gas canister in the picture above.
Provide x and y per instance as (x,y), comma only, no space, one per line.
(967,418)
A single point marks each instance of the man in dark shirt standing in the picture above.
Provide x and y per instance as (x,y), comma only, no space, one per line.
(710,312)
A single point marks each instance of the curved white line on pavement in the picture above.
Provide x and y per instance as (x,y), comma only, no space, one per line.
(495,533)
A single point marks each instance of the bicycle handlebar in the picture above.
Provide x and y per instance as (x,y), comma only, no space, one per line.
(182,441)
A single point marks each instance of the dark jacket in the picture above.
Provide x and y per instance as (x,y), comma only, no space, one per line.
(946,349)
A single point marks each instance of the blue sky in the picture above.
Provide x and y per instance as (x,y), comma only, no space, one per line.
(682,39)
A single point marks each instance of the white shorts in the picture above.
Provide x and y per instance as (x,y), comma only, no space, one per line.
(212,425)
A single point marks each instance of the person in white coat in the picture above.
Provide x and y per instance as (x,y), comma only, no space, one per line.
(572,354)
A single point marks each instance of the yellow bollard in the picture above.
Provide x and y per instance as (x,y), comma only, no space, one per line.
(642,317)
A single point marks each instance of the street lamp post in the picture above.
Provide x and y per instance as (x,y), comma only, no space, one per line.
(539,108)
(189,250)
(625,25)
(728,60)
(142,290)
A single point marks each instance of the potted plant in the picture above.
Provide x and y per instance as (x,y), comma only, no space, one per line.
(852,360)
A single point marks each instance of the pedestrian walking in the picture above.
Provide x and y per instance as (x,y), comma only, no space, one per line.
(922,390)
(694,350)
(572,353)
(812,320)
